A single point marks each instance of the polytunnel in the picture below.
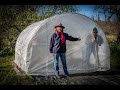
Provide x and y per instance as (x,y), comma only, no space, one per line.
(32,53)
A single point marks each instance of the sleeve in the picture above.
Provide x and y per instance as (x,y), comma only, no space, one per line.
(70,38)
(88,39)
(100,40)
(51,44)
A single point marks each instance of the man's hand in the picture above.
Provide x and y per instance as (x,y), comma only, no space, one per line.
(79,39)
(94,40)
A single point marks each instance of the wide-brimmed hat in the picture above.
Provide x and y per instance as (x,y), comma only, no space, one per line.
(59,25)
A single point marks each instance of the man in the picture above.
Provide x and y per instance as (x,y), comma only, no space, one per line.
(97,38)
(93,40)
(58,48)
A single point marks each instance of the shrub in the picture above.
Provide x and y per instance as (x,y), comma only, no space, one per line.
(115,56)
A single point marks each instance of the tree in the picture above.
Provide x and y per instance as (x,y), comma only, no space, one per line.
(13,19)
(109,11)
(49,10)
(92,17)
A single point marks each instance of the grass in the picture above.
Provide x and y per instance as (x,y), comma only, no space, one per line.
(8,76)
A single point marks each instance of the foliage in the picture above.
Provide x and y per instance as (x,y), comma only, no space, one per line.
(111,38)
(46,11)
(109,11)
(13,19)
(114,56)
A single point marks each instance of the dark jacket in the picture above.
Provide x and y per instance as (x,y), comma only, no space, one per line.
(55,43)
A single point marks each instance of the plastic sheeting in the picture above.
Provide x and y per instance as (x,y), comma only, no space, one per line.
(32,47)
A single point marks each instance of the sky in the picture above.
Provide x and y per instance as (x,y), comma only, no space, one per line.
(88,10)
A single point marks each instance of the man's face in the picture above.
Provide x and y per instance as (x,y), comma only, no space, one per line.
(94,34)
(59,29)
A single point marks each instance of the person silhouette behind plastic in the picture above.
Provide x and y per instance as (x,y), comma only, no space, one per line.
(93,41)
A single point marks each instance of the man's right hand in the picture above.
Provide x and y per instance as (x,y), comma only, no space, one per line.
(94,40)
(79,39)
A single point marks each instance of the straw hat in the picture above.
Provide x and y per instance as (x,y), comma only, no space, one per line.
(59,25)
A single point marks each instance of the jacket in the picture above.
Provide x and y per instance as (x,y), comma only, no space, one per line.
(55,43)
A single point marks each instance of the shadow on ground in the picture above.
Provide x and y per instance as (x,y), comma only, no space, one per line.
(108,72)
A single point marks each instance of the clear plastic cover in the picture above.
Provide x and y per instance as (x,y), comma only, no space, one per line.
(32,47)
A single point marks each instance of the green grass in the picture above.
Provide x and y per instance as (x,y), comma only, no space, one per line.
(8,76)
(115,56)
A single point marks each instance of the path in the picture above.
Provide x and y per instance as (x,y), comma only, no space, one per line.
(96,78)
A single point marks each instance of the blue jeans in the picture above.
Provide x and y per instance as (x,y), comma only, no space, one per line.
(63,60)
